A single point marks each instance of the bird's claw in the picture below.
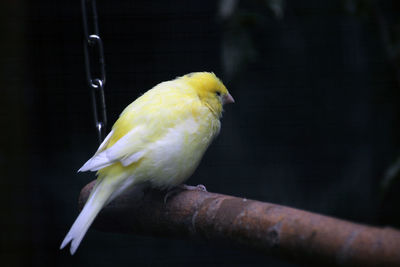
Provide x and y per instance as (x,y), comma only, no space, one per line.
(198,187)
(181,187)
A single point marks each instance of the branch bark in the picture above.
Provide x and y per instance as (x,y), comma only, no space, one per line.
(288,233)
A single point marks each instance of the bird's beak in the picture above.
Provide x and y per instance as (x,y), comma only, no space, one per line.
(227,99)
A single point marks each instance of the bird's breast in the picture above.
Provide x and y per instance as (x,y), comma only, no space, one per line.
(175,156)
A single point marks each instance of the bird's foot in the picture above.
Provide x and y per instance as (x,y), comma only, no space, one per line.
(198,187)
(182,187)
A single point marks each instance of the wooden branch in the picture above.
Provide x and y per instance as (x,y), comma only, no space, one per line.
(288,233)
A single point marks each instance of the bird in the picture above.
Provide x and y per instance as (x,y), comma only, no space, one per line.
(160,138)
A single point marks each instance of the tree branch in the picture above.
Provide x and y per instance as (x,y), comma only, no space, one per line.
(288,233)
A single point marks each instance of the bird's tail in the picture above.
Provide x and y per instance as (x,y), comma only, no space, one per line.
(101,194)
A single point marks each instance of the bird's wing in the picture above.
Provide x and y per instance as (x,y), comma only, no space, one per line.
(138,126)
(128,149)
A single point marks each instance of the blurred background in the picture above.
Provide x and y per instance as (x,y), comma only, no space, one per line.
(315,125)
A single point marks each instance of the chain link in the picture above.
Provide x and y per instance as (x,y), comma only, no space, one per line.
(95,65)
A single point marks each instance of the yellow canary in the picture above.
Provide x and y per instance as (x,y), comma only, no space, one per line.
(159,138)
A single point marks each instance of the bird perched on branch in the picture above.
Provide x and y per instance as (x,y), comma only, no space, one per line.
(159,138)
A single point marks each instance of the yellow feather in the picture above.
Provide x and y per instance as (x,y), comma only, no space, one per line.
(160,138)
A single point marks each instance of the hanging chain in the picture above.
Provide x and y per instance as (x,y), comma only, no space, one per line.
(94,64)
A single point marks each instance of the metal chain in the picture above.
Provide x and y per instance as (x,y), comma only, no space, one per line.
(94,64)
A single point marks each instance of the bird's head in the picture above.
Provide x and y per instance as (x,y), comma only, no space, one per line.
(211,91)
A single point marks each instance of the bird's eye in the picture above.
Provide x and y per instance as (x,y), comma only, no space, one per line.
(218,93)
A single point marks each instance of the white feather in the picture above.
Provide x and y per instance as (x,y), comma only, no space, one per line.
(174,156)
(127,183)
(96,163)
(105,142)
(85,219)
(103,192)
(126,150)
(132,158)
(128,144)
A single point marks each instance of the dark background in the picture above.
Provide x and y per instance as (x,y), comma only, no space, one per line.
(314,126)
